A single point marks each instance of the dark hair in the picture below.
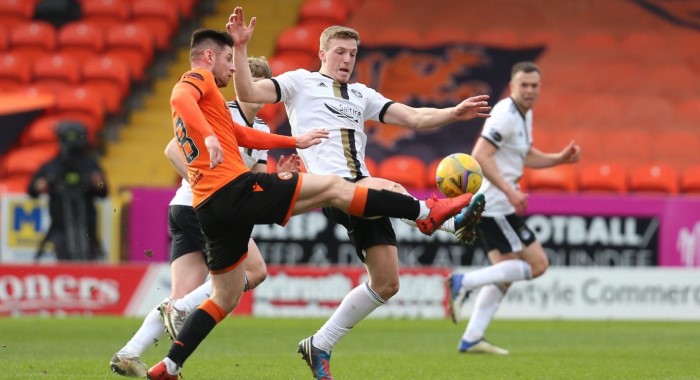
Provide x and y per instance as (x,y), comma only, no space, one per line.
(526,67)
(201,36)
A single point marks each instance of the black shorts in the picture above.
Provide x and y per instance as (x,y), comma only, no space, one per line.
(228,216)
(507,233)
(184,231)
(363,233)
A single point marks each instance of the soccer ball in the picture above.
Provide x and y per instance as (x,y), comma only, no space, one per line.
(457,174)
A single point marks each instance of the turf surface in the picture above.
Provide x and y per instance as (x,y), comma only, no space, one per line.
(246,348)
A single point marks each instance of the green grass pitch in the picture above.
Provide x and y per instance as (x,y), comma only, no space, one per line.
(249,348)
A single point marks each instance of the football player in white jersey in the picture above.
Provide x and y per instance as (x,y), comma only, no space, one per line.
(188,267)
(504,148)
(325,99)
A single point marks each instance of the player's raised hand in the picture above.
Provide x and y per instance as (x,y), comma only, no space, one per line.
(311,138)
(470,108)
(216,154)
(237,28)
(290,163)
(571,153)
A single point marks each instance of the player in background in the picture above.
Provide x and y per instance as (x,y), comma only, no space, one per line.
(229,200)
(188,267)
(504,148)
(326,99)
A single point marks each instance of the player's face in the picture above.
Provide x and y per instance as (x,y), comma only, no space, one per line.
(339,60)
(525,89)
(223,67)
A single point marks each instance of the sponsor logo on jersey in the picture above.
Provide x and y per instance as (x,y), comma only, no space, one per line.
(322,85)
(284,175)
(496,136)
(344,112)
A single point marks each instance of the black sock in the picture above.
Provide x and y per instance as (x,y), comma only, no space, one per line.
(391,203)
(196,328)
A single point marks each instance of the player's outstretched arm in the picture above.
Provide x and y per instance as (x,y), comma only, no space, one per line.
(426,118)
(537,159)
(172,151)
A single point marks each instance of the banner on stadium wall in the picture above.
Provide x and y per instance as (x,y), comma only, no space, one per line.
(580,230)
(24,222)
(305,291)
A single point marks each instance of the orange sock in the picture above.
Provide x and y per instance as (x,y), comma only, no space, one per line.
(358,202)
(213,309)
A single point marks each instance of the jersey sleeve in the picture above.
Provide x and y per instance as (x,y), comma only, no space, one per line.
(288,84)
(497,129)
(375,105)
(260,155)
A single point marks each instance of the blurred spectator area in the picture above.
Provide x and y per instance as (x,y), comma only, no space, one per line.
(618,77)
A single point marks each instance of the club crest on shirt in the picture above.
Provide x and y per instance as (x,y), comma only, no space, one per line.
(284,175)
(356,93)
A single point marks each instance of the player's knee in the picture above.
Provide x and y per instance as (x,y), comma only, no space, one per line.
(387,289)
(255,279)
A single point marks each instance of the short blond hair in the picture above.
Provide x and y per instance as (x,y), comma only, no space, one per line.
(259,67)
(340,32)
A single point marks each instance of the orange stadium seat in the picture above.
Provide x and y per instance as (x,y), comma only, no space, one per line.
(628,146)
(558,178)
(187,8)
(546,37)
(81,39)
(398,36)
(372,166)
(16,12)
(292,60)
(602,177)
(4,39)
(656,178)
(81,104)
(41,131)
(15,70)
(134,44)
(110,76)
(688,112)
(444,35)
(408,171)
(14,184)
(335,12)
(430,170)
(34,38)
(678,148)
(106,13)
(27,160)
(303,38)
(595,43)
(57,68)
(158,16)
(690,180)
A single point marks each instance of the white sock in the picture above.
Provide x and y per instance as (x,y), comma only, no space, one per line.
(356,306)
(485,307)
(424,211)
(194,298)
(505,271)
(150,331)
(448,226)
(171,367)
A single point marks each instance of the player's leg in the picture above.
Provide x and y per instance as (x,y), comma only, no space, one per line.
(506,233)
(331,191)
(375,243)
(228,245)
(187,270)
(486,305)
(255,267)
(463,225)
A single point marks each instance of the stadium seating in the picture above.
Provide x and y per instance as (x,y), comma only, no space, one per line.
(34,38)
(82,104)
(335,12)
(300,38)
(16,12)
(372,166)
(406,170)
(106,13)
(81,39)
(430,170)
(58,68)
(110,77)
(26,161)
(158,16)
(690,180)
(558,178)
(15,70)
(602,177)
(132,43)
(41,131)
(654,178)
